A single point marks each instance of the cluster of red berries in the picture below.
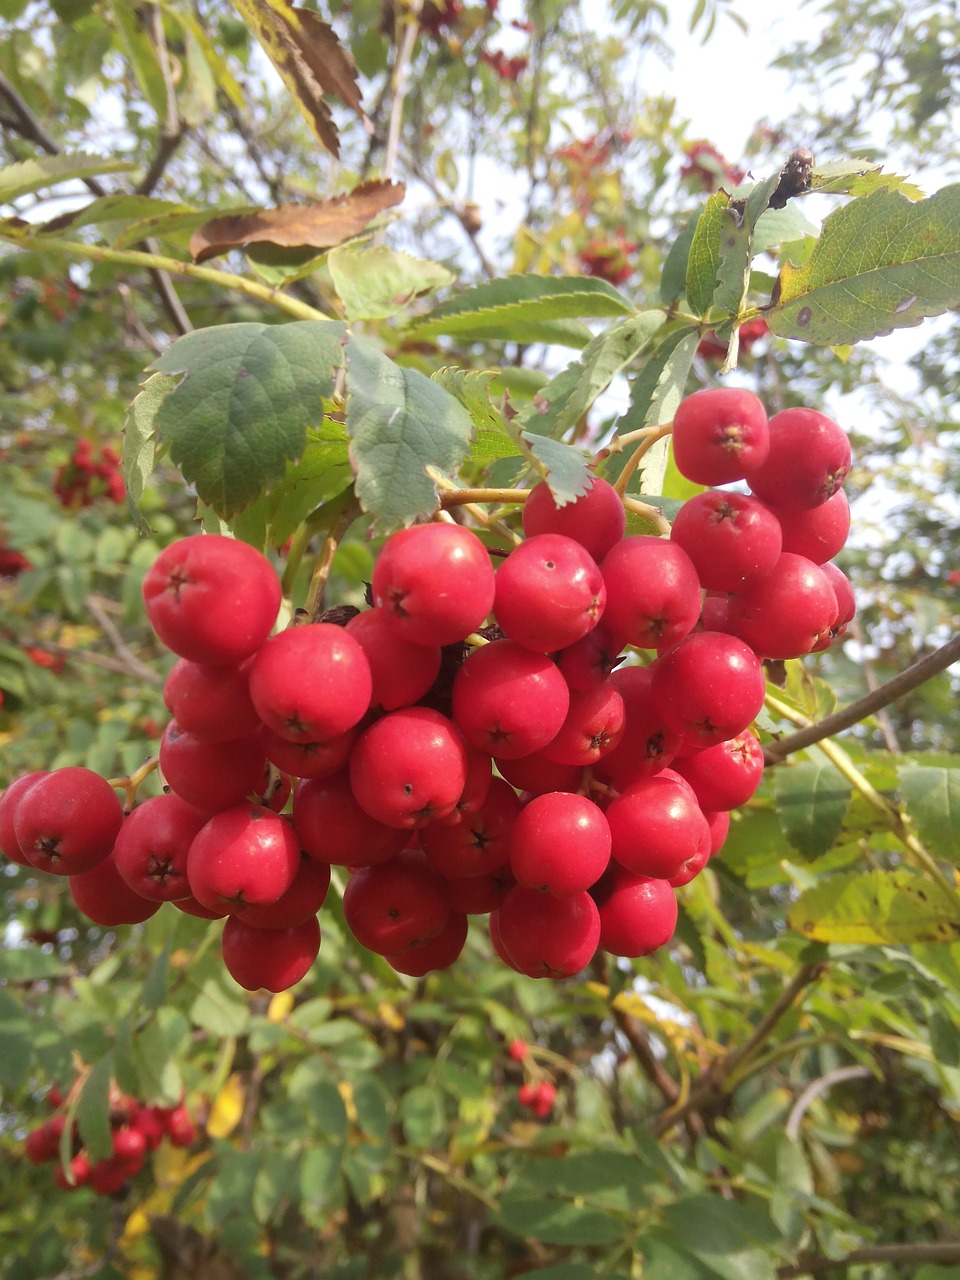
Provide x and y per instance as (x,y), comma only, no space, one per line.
(750,333)
(136,1130)
(614,776)
(12,563)
(537,1095)
(82,479)
(609,258)
(707,169)
(506,68)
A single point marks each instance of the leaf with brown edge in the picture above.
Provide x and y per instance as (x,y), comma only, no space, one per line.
(316,226)
(308,55)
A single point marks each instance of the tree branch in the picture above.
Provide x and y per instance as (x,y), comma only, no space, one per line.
(946,1253)
(814,1090)
(124,653)
(717,1081)
(402,65)
(914,676)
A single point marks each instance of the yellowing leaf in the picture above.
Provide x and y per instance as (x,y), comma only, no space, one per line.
(227,1108)
(280,1006)
(390,1016)
(345,1090)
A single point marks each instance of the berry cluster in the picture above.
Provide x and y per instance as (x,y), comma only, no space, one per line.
(537,1093)
(530,769)
(136,1130)
(81,480)
(12,562)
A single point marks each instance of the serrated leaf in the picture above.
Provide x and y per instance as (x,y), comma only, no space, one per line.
(522,306)
(780,226)
(703,262)
(93,1109)
(322,472)
(737,226)
(882,263)
(165,224)
(117,212)
(577,387)
(138,450)
(399,423)
(27,176)
(491,440)
(931,797)
(320,225)
(241,410)
(811,798)
(377,282)
(421,1114)
(877,907)
(566,469)
(310,59)
(858,177)
(673,277)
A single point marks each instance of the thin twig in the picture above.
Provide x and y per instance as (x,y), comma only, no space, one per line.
(408,39)
(945,1252)
(914,676)
(815,1089)
(124,653)
(717,1080)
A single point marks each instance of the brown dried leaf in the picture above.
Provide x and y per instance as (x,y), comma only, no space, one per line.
(315,226)
(311,60)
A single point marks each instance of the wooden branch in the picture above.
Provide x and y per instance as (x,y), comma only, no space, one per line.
(914,676)
(946,1253)
(124,653)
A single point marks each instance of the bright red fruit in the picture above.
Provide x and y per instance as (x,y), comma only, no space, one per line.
(479,844)
(435,581)
(303,899)
(439,953)
(818,533)
(211,702)
(332,827)
(9,800)
(807,462)
(105,898)
(311,683)
(151,849)
(271,958)
(397,905)
(593,727)
(720,434)
(409,768)
(67,821)
(210,775)
(596,519)
(247,854)
(708,688)
(786,613)
(549,593)
(656,826)
(653,592)
(637,914)
(724,776)
(647,745)
(509,701)
(211,599)
(546,937)
(307,759)
(731,538)
(560,844)
(517,1050)
(402,672)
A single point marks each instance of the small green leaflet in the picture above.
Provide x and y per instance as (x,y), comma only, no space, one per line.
(858,177)
(811,799)
(673,277)
(118,212)
(241,410)
(399,423)
(566,469)
(138,452)
(27,176)
(931,797)
(704,260)
(736,245)
(377,282)
(93,1110)
(491,440)
(527,308)
(882,262)
(873,907)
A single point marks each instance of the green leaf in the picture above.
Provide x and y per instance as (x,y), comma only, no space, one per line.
(812,798)
(171,223)
(141,55)
(138,452)
(219,1007)
(858,177)
(662,1261)
(729,1238)
(319,1176)
(738,222)
(157,1072)
(565,1271)
(673,278)
(399,423)
(117,212)
(882,262)
(932,799)
(471,387)
(27,176)
(704,260)
(377,282)
(241,410)
(525,308)
(558,1221)
(582,381)
(29,964)
(93,1109)
(593,1175)
(780,226)
(566,469)
(276,1180)
(16,1036)
(322,472)
(422,1115)
(155,983)
(877,907)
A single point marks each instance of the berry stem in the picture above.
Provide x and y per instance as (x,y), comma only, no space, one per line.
(131,785)
(888,813)
(653,514)
(324,561)
(460,497)
(638,455)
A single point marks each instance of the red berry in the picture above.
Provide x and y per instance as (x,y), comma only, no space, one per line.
(785,614)
(476,895)
(596,519)
(274,959)
(211,702)
(637,914)
(807,462)
(9,801)
(720,434)
(480,843)
(708,688)
(245,855)
(402,672)
(211,776)
(731,538)
(724,776)
(593,727)
(647,744)
(653,592)
(439,953)
(656,826)
(818,533)
(560,844)
(549,593)
(307,759)
(67,821)
(517,1050)
(332,827)
(435,581)
(181,1130)
(151,850)
(508,701)
(105,897)
(409,768)
(547,937)
(303,899)
(397,905)
(212,599)
(311,683)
